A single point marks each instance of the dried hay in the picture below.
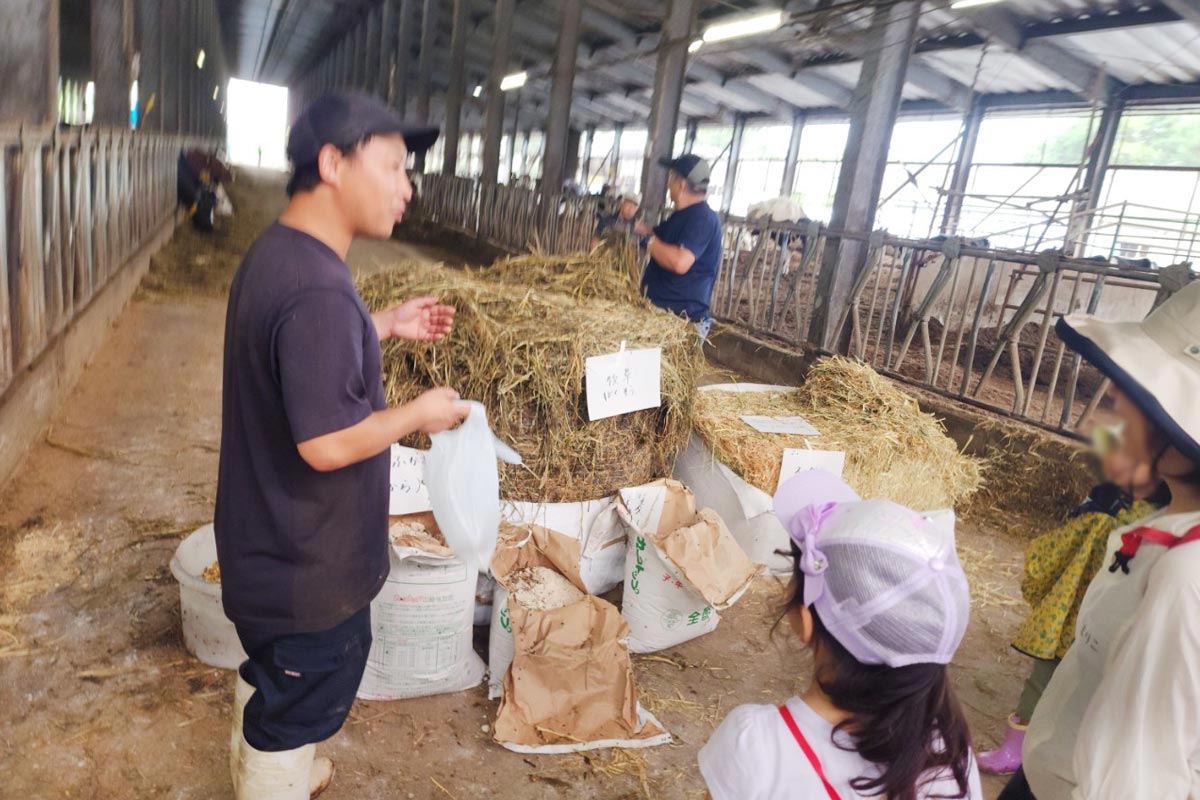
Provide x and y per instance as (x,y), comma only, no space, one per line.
(1034,480)
(893,449)
(610,272)
(521,352)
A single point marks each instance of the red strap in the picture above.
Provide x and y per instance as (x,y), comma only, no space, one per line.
(1134,539)
(808,751)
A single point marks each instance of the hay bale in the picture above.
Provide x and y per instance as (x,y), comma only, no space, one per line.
(893,449)
(521,351)
(610,272)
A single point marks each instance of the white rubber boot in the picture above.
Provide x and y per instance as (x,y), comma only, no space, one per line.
(242,691)
(319,777)
(283,775)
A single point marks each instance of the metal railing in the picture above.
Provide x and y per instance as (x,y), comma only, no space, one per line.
(507,216)
(75,204)
(949,315)
(972,323)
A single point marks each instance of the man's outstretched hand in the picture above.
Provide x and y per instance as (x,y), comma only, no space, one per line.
(423,319)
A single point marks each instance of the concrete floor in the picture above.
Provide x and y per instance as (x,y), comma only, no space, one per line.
(102,700)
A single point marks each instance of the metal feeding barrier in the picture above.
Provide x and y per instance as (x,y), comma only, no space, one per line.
(950,315)
(75,204)
(508,216)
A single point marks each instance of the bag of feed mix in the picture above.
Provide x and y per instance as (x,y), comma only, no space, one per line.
(570,684)
(421,621)
(681,567)
(594,523)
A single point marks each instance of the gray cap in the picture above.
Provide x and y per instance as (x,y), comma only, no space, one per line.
(632,197)
(690,166)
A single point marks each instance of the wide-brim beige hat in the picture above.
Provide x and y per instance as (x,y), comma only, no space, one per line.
(1156,362)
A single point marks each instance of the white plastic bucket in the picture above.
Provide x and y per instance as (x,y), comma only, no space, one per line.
(207,632)
(747,510)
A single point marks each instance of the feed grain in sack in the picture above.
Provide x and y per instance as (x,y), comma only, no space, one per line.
(569,686)
(681,567)
(421,621)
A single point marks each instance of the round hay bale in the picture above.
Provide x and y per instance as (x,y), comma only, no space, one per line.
(521,351)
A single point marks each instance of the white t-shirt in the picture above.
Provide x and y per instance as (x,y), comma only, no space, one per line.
(1119,718)
(753,756)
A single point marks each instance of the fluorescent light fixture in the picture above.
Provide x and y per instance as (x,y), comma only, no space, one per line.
(216,91)
(478,91)
(745,26)
(694,47)
(972,3)
(513,81)
(200,60)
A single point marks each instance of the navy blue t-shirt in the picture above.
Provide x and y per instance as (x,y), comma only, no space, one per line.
(698,228)
(300,550)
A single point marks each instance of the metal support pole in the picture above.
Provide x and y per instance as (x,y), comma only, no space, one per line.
(1097,169)
(358,58)
(384,85)
(787,185)
(406,27)
(29,61)
(873,116)
(429,25)
(678,30)
(373,69)
(563,71)
(457,87)
(494,121)
(187,74)
(571,166)
(614,164)
(962,169)
(588,138)
(512,139)
(110,71)
(689,135)
(525,151)
(735,156)
(172,57)
(150,71)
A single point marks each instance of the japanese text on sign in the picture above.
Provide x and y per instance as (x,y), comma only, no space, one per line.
(797,460)
(624,382)
(409,494)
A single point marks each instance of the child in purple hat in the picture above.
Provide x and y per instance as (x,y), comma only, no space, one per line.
(879,596)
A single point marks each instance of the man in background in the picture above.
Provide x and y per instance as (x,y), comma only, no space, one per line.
(622,221)
(685,249)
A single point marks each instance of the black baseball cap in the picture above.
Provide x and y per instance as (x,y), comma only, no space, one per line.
(690,166)
(343,118)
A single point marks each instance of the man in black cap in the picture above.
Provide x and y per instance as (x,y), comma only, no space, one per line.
(685,250)
(302,490)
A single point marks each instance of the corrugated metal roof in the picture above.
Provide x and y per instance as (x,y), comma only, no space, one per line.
(1168,53)
(279,38)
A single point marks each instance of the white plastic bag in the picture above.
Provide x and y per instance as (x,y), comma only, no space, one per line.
(464,486)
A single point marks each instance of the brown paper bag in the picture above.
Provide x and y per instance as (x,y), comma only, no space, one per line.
(709,558)
(570,686)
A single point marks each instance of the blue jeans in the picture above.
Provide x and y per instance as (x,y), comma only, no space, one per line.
(304,683)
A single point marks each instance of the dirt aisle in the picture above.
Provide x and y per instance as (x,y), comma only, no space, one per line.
(101,699)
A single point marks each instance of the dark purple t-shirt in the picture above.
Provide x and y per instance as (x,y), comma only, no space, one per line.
(300,550)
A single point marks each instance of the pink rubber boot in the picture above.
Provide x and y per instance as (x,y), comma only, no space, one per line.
(1005,759)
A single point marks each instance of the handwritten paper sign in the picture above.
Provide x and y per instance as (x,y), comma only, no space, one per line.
(624,382)
(797,460)
(797,425)
(409,493)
